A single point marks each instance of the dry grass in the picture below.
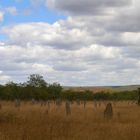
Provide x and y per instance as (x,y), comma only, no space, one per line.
(36,122)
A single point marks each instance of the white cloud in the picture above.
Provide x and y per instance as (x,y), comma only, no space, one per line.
(37,3)
(88,7)
(54,35)
(93,46)
(92,65)
(4,78)
(1,16)
(12,10)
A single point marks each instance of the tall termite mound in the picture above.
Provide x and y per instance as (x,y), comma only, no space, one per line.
(108,112)
(138,96)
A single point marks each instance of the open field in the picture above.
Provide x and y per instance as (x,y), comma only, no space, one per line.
(104,88)
(38,121)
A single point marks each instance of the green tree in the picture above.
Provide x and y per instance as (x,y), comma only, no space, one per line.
(36,80)
(11,90)
(55,90)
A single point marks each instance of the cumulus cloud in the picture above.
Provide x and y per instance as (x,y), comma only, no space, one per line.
(4,78)
(127,19)
(88,7)
(37,3)
(73,33)
(27,12)
(1,16)
(95,65)
(11,10)
(98,44)
(54,35)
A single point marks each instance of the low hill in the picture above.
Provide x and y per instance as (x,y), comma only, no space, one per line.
(103,88)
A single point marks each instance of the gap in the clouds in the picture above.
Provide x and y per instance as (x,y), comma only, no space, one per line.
(36,14)
(3,37)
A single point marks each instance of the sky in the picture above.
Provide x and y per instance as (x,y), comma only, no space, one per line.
(75,43)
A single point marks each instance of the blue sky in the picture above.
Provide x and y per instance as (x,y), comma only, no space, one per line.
(36,13)
(74,42)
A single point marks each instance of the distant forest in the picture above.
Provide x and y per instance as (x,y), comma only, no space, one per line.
(38,89)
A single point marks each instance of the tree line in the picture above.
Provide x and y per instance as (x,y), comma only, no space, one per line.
(37,88)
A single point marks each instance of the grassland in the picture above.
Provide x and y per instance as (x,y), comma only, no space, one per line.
(41,122)
(103,88)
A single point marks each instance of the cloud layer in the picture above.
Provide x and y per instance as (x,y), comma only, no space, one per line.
(88,7)
(98,44)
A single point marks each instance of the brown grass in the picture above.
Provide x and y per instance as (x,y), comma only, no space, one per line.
(36,122)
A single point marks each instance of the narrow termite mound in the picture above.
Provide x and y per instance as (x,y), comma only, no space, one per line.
(139,96)
(68,109)
(17,103)
(108,112)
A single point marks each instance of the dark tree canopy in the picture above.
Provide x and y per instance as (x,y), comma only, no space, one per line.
(37,88)
(36,80)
